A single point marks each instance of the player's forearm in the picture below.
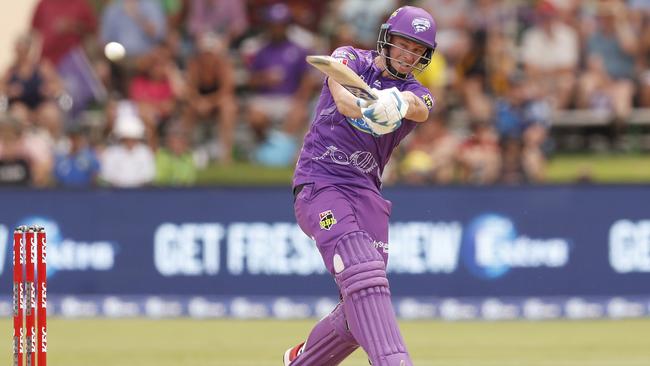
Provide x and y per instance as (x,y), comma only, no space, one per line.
(346,103)
(417,111)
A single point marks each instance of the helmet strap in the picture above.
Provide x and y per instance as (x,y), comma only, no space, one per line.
(391,70)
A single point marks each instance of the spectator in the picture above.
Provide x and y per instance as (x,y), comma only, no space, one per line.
(431,153)
(225,17)
(550,52)
(129,163)
(479,155)
(156,89)
(211,91)
(452,19)
(174,162)
(608,82)
(15,163)
(79,166)
(32,85)
(139,25)
(472,78)
(37,144)
(642,10)
(62,25)
(522,119)
(365,17)
(281,87)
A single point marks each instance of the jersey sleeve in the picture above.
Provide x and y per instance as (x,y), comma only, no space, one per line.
(421,92)
(349,57)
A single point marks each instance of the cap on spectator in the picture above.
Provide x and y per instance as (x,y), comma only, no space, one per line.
(129,127)
(546,7)
(278,14)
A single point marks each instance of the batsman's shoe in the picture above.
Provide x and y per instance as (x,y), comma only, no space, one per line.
(292,353)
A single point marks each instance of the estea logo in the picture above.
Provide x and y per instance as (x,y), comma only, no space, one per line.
(63,254)
(491,247)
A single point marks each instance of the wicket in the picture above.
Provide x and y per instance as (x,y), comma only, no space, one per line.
(29,296)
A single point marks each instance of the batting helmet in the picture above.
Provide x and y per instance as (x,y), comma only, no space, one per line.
(412,23)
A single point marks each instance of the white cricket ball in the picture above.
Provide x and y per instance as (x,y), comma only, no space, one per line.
(114,51)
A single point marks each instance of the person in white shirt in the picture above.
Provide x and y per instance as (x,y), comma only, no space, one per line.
(130,163)
(550,52)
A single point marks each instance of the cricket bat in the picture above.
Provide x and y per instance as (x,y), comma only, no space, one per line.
(343,75)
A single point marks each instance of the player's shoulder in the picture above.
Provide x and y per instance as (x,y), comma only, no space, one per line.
(413,85)
(352,54)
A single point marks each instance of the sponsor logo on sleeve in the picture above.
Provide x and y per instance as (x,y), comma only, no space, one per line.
(428,100)
(327,219)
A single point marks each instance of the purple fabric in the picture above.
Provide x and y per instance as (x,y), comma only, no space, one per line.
(220,16)
(354,209)
(329,343)
(335,150)
(80,80)
(367,304)
(285,58)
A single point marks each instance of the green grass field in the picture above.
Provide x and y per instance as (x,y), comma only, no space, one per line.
(566,168)
(141,342)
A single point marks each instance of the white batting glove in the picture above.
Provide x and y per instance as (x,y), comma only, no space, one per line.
(389,109)
(379,129)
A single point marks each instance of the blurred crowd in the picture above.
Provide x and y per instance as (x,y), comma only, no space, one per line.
(127,93)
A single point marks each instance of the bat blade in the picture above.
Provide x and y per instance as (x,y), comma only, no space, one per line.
(343,75)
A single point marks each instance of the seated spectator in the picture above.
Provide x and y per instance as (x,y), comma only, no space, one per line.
(15,163)
(155,90)
(31,86)
(211,92)
(63,25)
(430,156)
(473,77)
(523,118)
(225,17)
(479,156)
(38,144)
(174,162)
(364,17)
(277,110)
(129,163)
(550,51)
(139,25)
(608,82)
(79,166)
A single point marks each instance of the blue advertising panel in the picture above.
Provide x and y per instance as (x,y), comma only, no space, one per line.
(497,250)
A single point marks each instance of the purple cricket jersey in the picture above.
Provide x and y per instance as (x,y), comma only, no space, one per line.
(343,151)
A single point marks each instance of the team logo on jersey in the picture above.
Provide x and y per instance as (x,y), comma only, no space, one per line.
(327,220)
(427,100)
(342,54)
(420,24)
(377,84)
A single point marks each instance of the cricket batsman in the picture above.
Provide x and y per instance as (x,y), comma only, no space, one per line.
(337,185)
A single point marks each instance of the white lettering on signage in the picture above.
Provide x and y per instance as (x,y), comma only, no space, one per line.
(629,246)
(493,250)
(271,249)
(424,247)
(188,249)
(77,255)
